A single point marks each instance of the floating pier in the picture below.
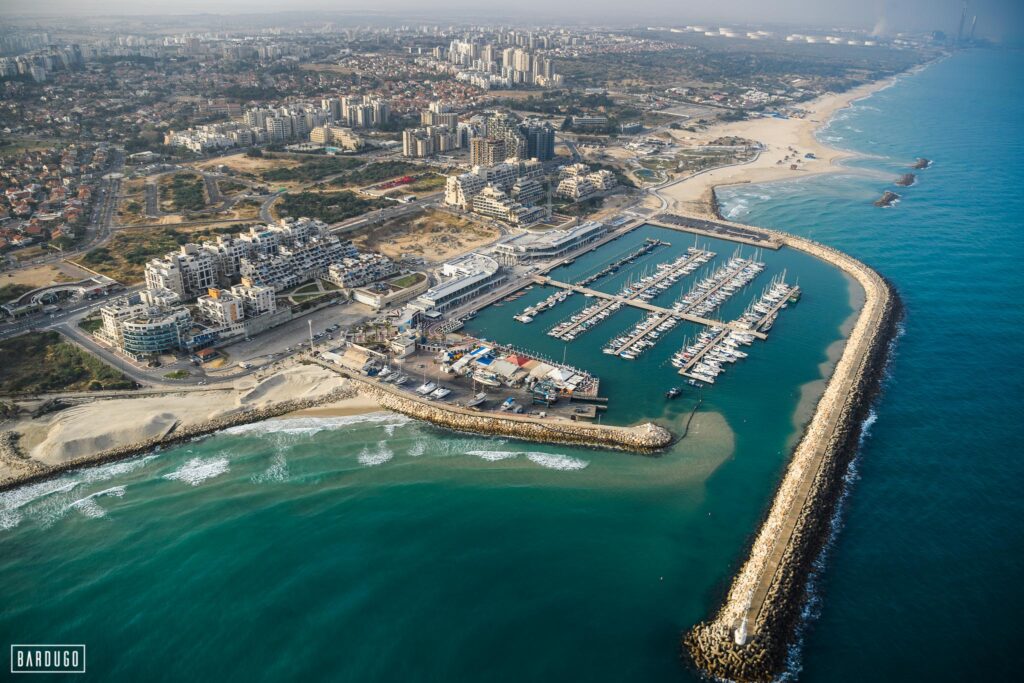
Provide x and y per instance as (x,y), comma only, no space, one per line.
(644,305)
(641,337)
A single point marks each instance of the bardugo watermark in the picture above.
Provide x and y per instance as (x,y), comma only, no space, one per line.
(48,659)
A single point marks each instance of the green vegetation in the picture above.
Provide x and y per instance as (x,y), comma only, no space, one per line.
(185,192)
(178,374)
(13,291)
(125,255)
(374,173)
(309,288)
(427,183)
(90,324)
(231,186)
(42,362)
(330,207)
(406,280)
(316,168)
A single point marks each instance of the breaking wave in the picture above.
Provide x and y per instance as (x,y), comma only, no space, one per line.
(197,470)
(277,471)
(376,457)
(313,425)
(493,456)
(88,505)
(557,462)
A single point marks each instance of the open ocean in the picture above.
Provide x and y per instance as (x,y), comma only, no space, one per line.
(375,548)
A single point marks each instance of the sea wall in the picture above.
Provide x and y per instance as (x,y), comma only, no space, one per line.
(747,640)
(36,471)
(645,438)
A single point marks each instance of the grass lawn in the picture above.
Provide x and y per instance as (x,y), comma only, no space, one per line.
(43,362)
(407,280)
(178,374)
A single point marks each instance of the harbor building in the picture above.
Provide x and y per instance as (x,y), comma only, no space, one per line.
(531,247)
(467,277)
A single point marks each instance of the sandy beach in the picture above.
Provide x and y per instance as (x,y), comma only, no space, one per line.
(101,424)
(779,137)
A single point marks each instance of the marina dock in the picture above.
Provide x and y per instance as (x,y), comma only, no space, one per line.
(641,304)
(719,229)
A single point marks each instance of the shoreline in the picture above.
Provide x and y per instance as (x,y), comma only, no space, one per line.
(695,193)
(748,636)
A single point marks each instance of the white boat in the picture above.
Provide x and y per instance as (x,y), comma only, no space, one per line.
(426,388)
(440,392)
(487,378)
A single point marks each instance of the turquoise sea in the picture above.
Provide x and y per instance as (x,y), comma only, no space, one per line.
(375,548)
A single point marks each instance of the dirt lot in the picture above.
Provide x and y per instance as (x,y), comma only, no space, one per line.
(435,236)
(244,164)
(40,276)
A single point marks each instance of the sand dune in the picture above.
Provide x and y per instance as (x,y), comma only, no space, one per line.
(102,424)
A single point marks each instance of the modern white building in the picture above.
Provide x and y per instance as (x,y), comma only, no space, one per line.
(530,247)
(466,278)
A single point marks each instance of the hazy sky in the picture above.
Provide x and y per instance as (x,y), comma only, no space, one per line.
(995,17)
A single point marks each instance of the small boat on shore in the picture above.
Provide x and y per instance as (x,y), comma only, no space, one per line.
(477,400)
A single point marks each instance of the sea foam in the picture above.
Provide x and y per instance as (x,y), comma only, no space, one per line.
(379,456)
(313,425)
(198,470)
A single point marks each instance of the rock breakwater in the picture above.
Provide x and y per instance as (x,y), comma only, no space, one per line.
(645,438)
(748,638)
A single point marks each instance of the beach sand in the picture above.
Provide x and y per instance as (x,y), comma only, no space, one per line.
(779,138)
(105,423)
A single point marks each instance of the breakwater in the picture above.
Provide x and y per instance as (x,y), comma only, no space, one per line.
(34,471)
(748,637)
(644,438)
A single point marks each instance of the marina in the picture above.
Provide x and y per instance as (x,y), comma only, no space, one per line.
(709,294)
(642,337)
(707,327)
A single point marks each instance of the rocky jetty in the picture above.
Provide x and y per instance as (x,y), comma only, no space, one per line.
(887,199)
(906,180)
(922,163)
(37,471)
(645,438)
(749,636)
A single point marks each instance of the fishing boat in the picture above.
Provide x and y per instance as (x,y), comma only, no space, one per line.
(673,392)
(694,383)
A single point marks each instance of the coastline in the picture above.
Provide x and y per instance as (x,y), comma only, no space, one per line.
(695,193)
(748,637)
(95,430)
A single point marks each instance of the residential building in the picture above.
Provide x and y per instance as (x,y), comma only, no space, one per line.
(540,140)
(359,270)
(495,203)
(486,151)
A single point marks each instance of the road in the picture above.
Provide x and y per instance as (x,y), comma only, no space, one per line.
(152,197)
